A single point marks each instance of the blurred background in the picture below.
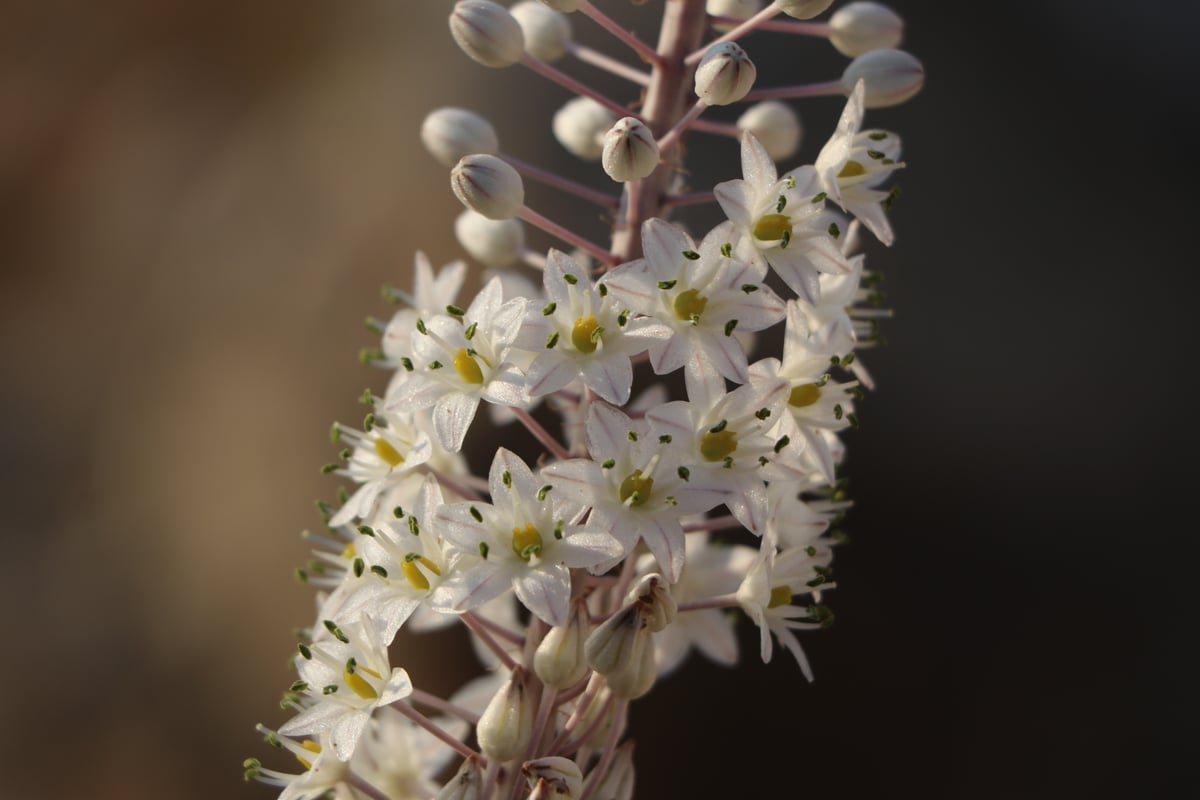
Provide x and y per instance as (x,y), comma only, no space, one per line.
(202,200)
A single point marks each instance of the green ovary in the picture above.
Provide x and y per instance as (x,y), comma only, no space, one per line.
(388,453)
(635,487)
(526,541)
(467,367)
(780,596)
(772,227)
(690,304)
(804,395)
(581,334)
(715,446)
(852,170)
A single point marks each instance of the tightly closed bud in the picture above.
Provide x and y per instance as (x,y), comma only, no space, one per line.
(860,27)
(562,776)
(891,77)
(565,6)
(488,185)
(493,242)
(739,9)
(724,75)
(487,32)
(547,32)
(612,644)
(803,9)
(635,676)
(651,596)
(451,133)
(617,783)
(466,784)
(506,726)
(776,126)
(560,660)
(580,126)
(630,152)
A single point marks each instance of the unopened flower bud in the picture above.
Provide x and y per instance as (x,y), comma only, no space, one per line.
(565,6)
(580,125)
(617,783)
(487,32)
(451,133)
(599,718)
(860,27)
(466,784)
(776,126)
(651,596)
(630,152)
(506,726)
(891,77)
(636,675)
(561,776)
(488,185)
(493,242)
(612,643)
(547,32)
(560,660)
(738,9)
(803,9)
(724,75)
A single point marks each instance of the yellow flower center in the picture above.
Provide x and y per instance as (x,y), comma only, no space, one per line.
(635,489)
(690,304)
(852,170)
(310,746)
(581,334)
(804,395)
(414,574)
(780,596)
(526,541)
(715,446)
(772,227)
(388,453)
(358,684)
(468,367)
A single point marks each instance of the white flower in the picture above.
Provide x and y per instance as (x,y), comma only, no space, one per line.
(401,759)
(345,679)
(702,293)
(853,163)
(634,486)
(526,541)
(382,456)
(782,221)
(323,770)
(431,294)
(581,333)
(459,360)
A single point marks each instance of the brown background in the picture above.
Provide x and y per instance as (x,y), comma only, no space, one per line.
(200,202)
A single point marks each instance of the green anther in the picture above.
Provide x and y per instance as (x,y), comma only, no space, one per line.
(749,288)
(484,550)
(791,182)
(551,340)
(780,596)
(834,230)
(582,334)
(877,136)
(691,255)
(727,249)
(469,333)
(819,197)
(635,490)
(771,227)
(414,527)
(689,305)
(781,205)
(762,413)
(785,240)
(716,446)
(421,327)
(304,651)
(506,479)
(602,289)
(876,154)
(332,627)
(548,310)
(852,170)
(665,439)
(622,318)
(398,512)
(720,426)
(837,411)
(369,421)
(729,326)
(454,311)
(359,566)
(608,463)
(684,473)
(632,436)
(781,443)
(667,284)
(438,365)
(526,542)
(542,492)
(467,367)
(391,455)
(571,279)
(380,571)
(413,573)
(406,362)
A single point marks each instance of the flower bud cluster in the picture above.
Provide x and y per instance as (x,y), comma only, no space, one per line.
(622,525)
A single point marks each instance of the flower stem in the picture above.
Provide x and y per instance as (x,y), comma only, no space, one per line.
(608,63)
(741,30)
(559,182)
(429,725)
(472,621)
(570,84)
(554,229)
(445,706)
(604,21)
(826,89)
(541,434)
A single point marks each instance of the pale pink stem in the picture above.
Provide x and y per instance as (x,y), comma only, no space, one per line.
(554,229)
(610,749)
(429,725)
(719,128)
(545,708)
(572,85)
(608,63)
(445,706)
(670,137)
(713,524)
(541,434)
(453,484)
(533,259)
(472,622)
(559,182)
(589,694)
(500,630)
(827,89)
(741,30)
(780,26)
(721,601)
(359,783)
(637,45)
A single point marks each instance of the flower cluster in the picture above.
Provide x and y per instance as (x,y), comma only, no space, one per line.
(585,575)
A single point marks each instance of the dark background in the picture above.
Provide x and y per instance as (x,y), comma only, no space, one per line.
(201,200)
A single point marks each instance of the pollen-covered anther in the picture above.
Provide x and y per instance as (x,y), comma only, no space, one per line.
(467,367)
(804,395)
(357,683)
(690,304)
(585,334)
(716,446)
(526,542)
(412,572)
(635,490)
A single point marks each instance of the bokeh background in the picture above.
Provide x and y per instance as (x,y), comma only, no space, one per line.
(200,202)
